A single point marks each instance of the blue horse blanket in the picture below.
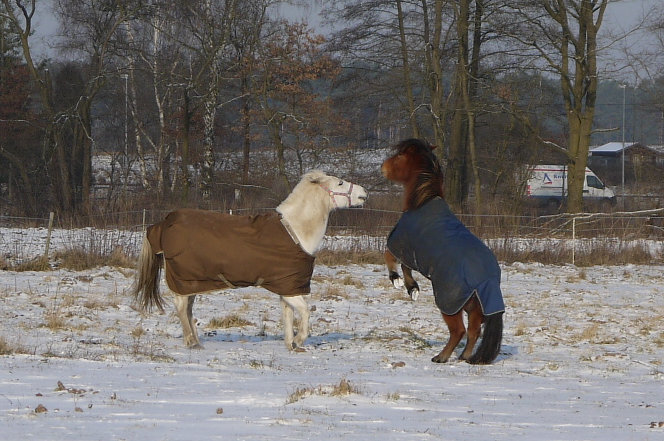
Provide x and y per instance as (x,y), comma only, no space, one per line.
(432,241)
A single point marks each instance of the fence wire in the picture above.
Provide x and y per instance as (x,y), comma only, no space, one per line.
(364,229)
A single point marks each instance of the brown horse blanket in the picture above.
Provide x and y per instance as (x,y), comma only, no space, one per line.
(430,239)
(206,250)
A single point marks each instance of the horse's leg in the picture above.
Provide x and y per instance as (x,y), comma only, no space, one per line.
(457,331)
(408,281)
(184,307)
(297,303)
(392,271)
(287,313)
(411,285)
(475,318)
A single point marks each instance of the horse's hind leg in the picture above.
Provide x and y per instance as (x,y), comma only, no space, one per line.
(290,304)
(475,318)
(457,331)
(184,307)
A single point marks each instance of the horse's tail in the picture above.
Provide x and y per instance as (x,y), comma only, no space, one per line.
(490,346)
(146,285)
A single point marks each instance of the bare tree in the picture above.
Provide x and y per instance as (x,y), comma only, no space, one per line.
(91,25)
(292,63)
(564,35)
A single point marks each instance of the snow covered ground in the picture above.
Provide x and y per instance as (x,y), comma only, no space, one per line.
(582,358)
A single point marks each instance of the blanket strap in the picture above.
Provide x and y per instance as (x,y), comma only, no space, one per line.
(290,230)
(225,280)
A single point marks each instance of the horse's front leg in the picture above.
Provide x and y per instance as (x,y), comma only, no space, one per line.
(287,314)
(184,306)
(411,285)
(392,272)
(408,281)
(289,305)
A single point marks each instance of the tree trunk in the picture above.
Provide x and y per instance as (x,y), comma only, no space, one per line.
(184,153)
(456,178)
(246,130)
(434,73)
(406,74)
(207,167)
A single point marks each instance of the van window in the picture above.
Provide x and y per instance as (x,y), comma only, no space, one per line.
(593,181)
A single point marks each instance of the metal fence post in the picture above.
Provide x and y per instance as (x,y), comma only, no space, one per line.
(573,239)
(48,235)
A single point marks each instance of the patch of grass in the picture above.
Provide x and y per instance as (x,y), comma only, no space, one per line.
(420,343)
(352,281)
(256,364)
(332,258)
(7,349)
(300,393)
(520,329)
(79,259)
(54,320)
(138,332)
(333,292)
(590,333)
(229,321)
(96,305)
(40,263)
(394,396)
(344,387)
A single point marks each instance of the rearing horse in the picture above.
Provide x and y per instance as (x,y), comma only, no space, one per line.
(430,239)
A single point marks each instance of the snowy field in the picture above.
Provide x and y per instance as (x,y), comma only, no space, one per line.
(582,359)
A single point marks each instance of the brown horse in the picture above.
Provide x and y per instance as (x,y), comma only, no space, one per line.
(428,238)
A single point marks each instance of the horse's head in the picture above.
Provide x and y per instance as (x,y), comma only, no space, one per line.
(308,206)
(414,165)
(342,193)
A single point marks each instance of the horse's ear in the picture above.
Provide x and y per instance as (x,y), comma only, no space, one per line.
(432,147)
(315,176)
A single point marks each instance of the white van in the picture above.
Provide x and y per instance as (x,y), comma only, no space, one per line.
(547,186)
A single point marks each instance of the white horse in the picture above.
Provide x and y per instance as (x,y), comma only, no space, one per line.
(208,251)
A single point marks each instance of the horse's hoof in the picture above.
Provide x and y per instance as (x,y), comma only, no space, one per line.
(414,294)
(293,347)
(397,282)
(438,359)
(196,346)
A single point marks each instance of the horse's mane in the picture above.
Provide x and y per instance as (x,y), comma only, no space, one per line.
(429,179)
(306,209)
(307,189)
